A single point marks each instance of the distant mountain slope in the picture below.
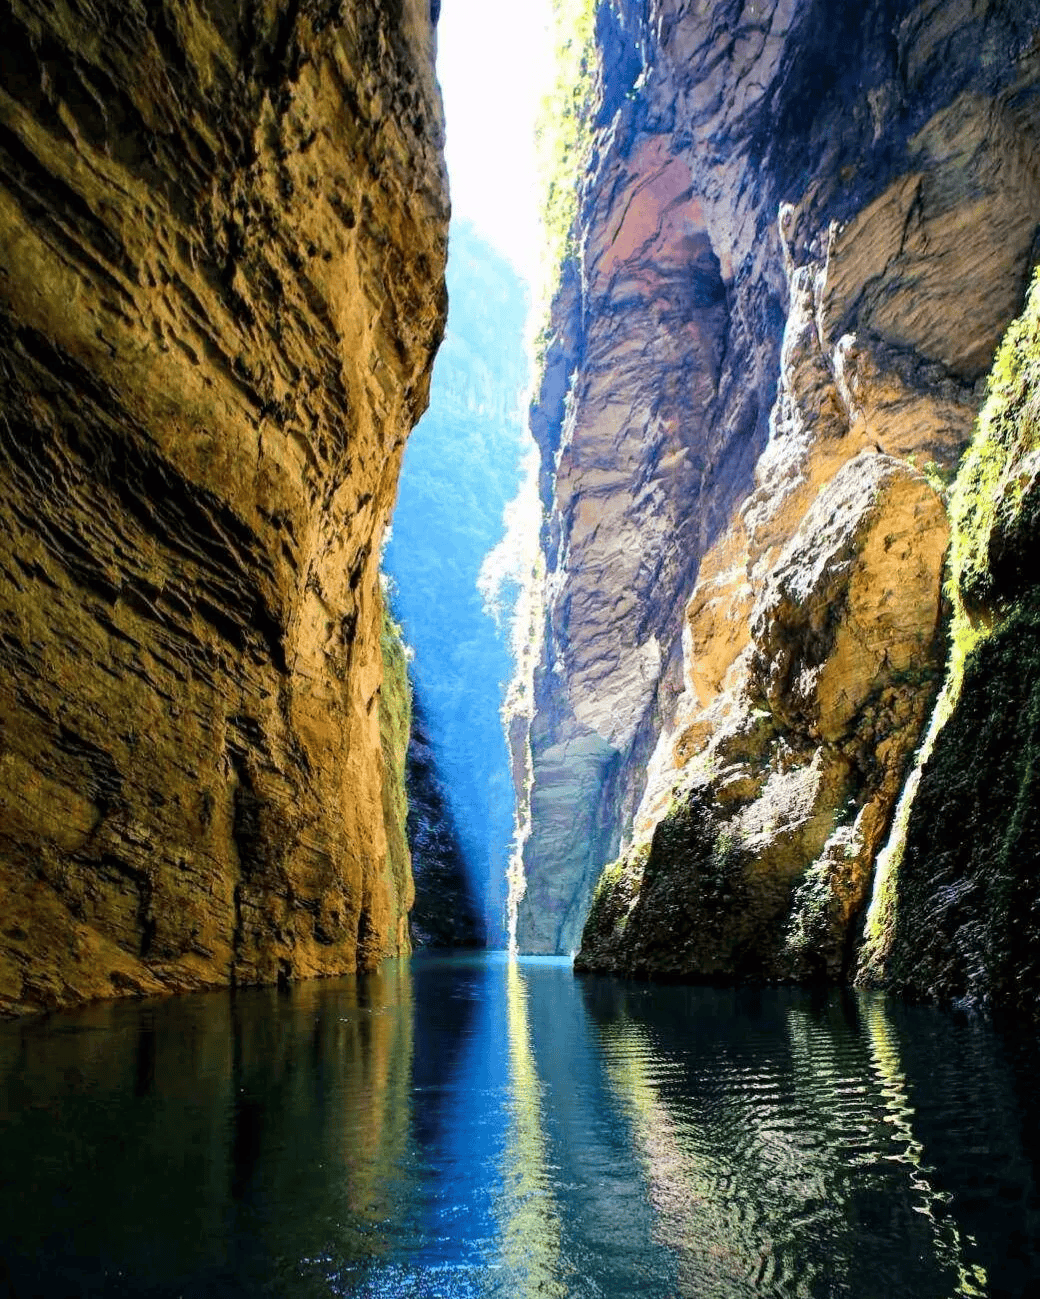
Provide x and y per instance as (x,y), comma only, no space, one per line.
(461,468)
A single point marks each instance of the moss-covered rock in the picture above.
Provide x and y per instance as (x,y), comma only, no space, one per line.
(966,917)
(395,725)
(683,905)
(995,507)
(958,915)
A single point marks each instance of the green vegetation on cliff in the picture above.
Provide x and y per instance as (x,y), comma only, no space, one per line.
(395,724)
(564,130)
(424,857)
(956,911)
(995,506)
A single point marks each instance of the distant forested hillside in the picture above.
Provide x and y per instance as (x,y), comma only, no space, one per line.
(461,467)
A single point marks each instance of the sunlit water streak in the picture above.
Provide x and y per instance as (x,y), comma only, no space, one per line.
(475,1127)
(530,1215)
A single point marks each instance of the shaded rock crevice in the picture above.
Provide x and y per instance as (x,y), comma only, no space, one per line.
(446,911)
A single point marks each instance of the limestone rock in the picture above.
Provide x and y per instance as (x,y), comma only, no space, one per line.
(762,855)
(788,261)
(954,913)
(222,240)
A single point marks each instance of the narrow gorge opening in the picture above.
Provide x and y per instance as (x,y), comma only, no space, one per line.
(463,538)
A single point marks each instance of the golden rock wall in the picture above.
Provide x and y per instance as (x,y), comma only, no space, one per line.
(222,242)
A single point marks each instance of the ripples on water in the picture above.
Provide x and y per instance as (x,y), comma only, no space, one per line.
(466,1127)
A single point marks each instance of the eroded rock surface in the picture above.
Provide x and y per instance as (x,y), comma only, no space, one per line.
(762,855)
(954,912)
(222,241)
(807,226)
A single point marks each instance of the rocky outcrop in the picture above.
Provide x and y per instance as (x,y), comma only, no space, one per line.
(791,273)
(955,911)
(222,239)
(763,855)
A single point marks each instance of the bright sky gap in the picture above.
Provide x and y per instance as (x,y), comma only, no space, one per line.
(493,62)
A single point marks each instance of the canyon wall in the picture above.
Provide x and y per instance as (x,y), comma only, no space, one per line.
(448,911)
(222,241)
(804,229)
(955,908)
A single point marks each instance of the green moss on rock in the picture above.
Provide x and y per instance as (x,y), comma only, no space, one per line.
(395,723)
(966,919)
(687,904)
(960,917)
(995,506)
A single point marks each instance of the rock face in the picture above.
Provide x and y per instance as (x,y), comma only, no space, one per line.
(446,912)
(955,914)
(806,227)
(222,240)
(764,855)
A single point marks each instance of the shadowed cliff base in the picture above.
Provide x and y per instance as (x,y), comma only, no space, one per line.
(222,241)
(956,911)
(446,912)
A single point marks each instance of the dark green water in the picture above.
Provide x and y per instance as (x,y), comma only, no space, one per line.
(463,1127)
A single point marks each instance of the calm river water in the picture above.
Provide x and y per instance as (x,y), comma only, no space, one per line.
(461,1126)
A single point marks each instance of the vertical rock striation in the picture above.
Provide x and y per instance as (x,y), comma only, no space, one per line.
(222,240)
(805,229)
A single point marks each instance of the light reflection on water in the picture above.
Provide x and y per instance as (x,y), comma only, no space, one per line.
(463,1126)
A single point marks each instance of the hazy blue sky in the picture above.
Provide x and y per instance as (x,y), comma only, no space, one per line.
(493,66)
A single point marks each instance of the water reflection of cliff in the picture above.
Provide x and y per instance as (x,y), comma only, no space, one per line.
(530,1215)
(605,1230)
(779,1165)
(472,1129)
(255,1139)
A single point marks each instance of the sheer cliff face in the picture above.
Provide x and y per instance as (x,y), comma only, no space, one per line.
(222,240)
(806,227)
(954,910)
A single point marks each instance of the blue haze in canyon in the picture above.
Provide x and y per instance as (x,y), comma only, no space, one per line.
(462,466)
